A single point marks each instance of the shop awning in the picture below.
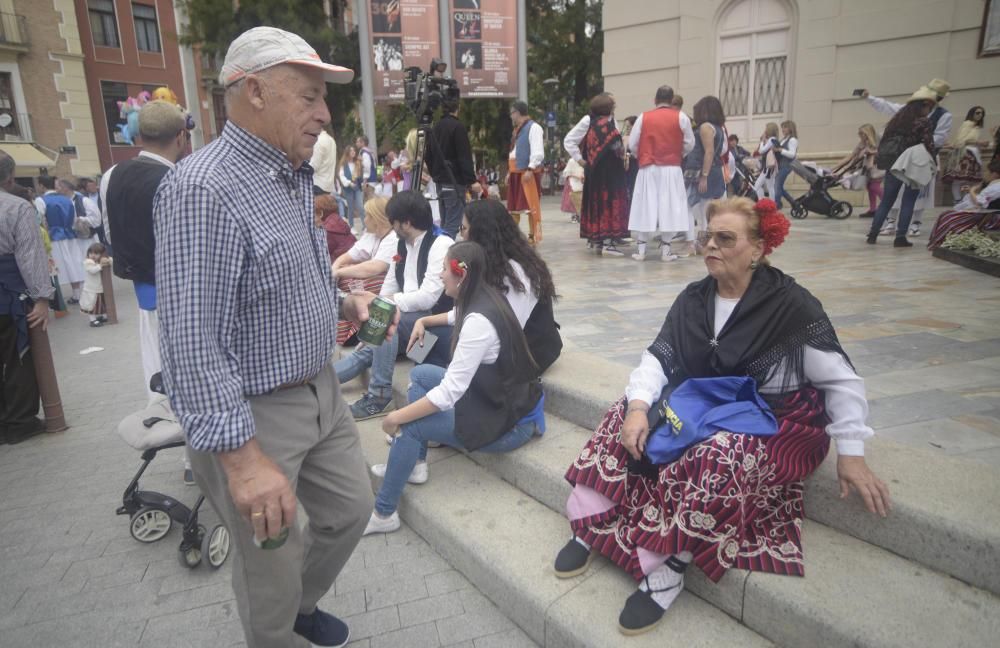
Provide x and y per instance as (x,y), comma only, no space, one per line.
(26,156)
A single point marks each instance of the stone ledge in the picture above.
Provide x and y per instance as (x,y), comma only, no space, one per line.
(968,260)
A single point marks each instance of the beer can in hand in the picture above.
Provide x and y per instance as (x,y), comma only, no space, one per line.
(380,315)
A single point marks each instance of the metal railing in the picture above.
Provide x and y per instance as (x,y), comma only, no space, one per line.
(13,30)
(19,128)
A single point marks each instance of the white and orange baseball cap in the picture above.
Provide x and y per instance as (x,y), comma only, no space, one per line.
(263,47)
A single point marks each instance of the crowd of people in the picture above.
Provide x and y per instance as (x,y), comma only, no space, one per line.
(243,322)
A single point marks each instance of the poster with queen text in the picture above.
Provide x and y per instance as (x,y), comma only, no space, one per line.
(484,47)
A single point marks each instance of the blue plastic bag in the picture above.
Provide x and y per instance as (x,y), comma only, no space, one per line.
(700,407)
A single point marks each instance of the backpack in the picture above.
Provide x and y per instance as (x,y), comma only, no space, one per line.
(889,150)
(80,225)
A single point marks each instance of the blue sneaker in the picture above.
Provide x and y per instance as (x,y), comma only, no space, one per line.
(322,629)
(369,406)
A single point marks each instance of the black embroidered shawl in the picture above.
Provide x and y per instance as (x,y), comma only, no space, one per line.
(771,326)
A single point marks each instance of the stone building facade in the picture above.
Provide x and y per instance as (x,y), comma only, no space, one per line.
(771,60)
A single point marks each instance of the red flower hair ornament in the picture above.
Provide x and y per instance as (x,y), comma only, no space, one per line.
(458,268)
(773,225)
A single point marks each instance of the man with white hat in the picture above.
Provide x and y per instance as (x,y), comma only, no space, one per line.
(941,121)
(248,318)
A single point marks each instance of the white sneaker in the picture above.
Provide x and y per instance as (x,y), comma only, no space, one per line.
(888,228)
(380,525)
(914,230)
(666,255)
(417,476)
(639,256)
(612,251)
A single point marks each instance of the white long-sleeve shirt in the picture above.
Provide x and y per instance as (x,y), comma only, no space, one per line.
(576,134)
(686,131)
(844,390)
(324,162)
(790,148)
(536,140)
(413,295)
(887,107)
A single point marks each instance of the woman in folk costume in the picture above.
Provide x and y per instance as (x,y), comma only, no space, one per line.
(979,210)
(659,141)
(965,164)
(604,212)
(734,497)
(527,149)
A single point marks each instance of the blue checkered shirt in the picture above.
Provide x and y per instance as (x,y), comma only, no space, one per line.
(246,301)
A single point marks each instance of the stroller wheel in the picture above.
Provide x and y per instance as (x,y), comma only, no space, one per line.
(215,546)
(150,524)
(189,557)
(841,210)
(798,211)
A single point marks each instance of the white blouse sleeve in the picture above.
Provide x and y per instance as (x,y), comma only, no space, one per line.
(475,344)
(846,404)
(791,148)
(646,381)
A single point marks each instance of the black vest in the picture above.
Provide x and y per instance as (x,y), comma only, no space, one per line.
(542,333)
(130,194)
(444,303)
(502,393)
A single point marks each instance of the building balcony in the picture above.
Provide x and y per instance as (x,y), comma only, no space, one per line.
(13,32)
(15,127)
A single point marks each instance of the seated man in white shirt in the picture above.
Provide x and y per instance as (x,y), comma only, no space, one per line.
(414,284)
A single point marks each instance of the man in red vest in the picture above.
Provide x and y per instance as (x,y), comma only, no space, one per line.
(659,141)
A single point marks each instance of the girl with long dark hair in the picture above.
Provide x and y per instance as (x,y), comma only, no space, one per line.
(604,212)
(488,399)
(909,127)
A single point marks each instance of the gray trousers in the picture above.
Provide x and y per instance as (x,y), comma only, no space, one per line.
(309,433)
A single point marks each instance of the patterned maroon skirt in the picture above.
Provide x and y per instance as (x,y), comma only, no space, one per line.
(733,500)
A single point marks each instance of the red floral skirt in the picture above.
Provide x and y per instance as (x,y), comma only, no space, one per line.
(956,222)
(733,500)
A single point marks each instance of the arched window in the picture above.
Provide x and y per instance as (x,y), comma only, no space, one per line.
(754,43)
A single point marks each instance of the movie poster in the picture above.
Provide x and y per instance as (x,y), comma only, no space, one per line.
(484,46)
(404,33)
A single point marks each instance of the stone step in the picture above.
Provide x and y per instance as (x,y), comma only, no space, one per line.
(854,593)
(941,517)
(504,542)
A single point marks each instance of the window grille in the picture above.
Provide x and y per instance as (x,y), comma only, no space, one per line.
(734,85)
(769,85)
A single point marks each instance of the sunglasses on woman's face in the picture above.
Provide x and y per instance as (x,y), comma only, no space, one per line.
(723,238)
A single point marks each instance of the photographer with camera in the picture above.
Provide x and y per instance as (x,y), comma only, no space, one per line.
(449,160)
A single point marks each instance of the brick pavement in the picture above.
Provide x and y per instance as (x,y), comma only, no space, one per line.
(920,330)
(71,575)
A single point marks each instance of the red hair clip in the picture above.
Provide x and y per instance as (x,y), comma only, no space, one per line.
(458,268)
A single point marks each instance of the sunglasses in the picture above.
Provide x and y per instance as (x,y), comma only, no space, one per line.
(723,238)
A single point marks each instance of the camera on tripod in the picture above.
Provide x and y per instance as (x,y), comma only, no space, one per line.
(423,91)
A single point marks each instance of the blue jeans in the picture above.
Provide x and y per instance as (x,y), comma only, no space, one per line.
(890,190)
(355,198)
(382,359)
(779,185)
(411,445)
(343,209)
(452,202)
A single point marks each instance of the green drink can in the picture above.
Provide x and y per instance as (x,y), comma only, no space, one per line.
(380,315)
(272,543)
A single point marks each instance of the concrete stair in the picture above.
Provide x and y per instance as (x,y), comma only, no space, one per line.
(870,582)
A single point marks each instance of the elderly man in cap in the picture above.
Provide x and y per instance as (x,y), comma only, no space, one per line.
(941,121)
(25,290)
(248,318)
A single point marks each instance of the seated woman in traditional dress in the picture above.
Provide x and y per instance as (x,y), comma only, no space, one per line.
(979,209)
(488,399)
(367,260)
(733,500)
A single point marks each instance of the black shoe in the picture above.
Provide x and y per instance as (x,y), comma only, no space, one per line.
(872,239)
(322,629)
(902,243)
(640,614)
(572,560)
(369,406)
(72,301)
(867,214)
(96,323)
(17,433)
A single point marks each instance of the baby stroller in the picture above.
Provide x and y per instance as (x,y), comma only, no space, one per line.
(744,178)
(818,198)
(152,514)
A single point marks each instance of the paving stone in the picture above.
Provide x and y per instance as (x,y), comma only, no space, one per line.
(394,591)
(478,623)
(446,581)
(419,636)
(514,638)
(431,609)
(371,624)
